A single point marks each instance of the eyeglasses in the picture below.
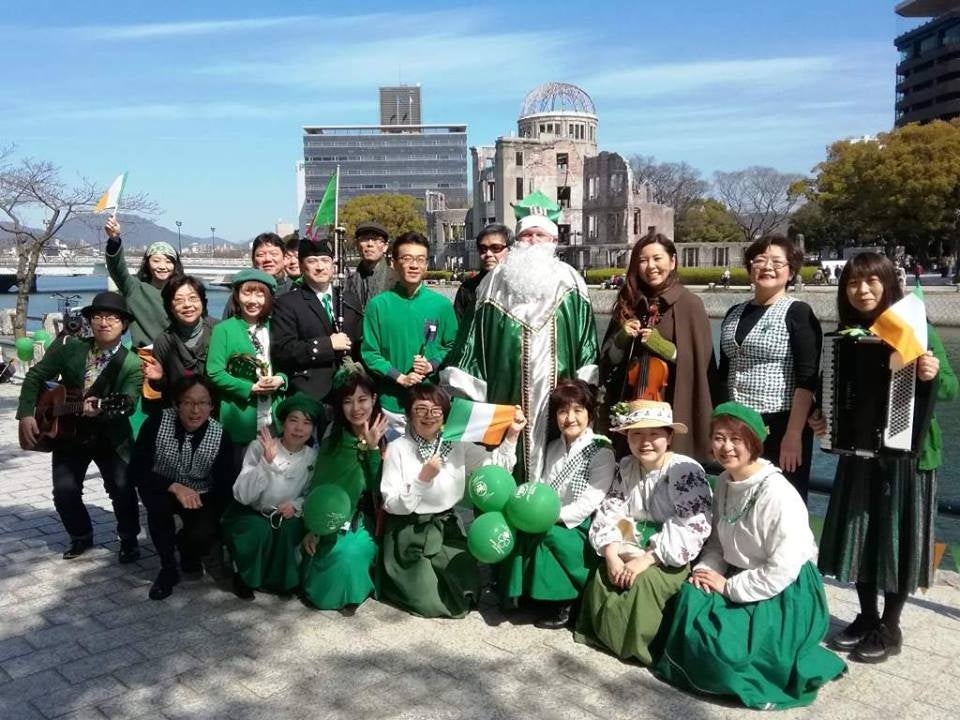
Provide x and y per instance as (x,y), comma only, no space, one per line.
(181,302)
(762,261)
(106,318)
(196,404)
(427,412)
(412,260)
(495,249)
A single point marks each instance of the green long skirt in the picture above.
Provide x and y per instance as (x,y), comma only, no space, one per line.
(553,566)
(265,557)
(879,527)
(628,623)
(340,571)
(426,567)
(767,653)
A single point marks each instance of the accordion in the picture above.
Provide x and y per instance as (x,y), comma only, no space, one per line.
(871,409)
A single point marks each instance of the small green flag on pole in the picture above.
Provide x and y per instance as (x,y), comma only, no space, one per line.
(326,214)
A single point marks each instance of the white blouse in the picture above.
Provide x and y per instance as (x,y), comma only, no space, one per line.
(263,485)
(760,527)
(677,496)
(404,493)
(603,465)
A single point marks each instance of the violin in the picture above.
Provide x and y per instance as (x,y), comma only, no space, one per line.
(647,376)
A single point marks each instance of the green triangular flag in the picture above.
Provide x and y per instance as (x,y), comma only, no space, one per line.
(326,214)
(536,203)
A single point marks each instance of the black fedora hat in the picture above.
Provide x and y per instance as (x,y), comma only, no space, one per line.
(107,302)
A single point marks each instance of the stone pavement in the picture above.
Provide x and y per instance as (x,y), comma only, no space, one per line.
(82,640)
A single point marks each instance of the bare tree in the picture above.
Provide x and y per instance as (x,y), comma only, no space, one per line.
(33,188)
(676,184)
(760,198)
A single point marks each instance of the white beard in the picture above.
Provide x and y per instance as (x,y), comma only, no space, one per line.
(530,273)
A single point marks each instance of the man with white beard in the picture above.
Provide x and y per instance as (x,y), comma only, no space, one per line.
(532,326)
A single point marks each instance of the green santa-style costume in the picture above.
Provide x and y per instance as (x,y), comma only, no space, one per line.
(513,349)
(340,572)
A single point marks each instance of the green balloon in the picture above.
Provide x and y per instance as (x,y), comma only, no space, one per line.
(326,509)
(490,487)
(24,347)
(42,336)
(490,538)
(533,507)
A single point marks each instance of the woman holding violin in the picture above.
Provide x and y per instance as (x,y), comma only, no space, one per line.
(658,345)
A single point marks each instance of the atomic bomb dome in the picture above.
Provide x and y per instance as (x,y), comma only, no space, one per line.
(558,111)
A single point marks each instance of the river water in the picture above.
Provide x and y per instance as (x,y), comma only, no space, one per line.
(824,464)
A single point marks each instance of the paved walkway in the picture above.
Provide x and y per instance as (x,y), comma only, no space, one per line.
(81,640)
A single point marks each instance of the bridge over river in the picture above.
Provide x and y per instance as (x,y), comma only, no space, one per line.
(211,269)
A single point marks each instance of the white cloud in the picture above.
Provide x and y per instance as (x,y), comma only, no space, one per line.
(181,29)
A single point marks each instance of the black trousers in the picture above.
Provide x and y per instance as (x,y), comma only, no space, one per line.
(777,424)
(201,528)
(69,471)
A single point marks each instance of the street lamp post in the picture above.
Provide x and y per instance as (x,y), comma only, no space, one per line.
(213,241)
(179,245)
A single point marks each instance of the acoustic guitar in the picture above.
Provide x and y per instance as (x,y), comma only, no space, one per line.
(647,376)
(58,415)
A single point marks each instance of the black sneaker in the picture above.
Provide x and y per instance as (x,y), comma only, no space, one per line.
(878,645)
(163,586)
(77,548)
(129,551)
(561,617)
(848,638)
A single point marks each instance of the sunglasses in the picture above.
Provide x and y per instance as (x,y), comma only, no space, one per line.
(495,249)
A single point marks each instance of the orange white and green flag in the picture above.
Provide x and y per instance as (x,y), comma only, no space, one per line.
(903,326)
(475,422)
(110,200)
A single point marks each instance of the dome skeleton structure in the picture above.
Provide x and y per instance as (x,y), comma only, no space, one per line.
(556,97)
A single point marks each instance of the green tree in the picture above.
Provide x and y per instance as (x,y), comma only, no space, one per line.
(397,213)
(899,188)
(819,229)
(706,220)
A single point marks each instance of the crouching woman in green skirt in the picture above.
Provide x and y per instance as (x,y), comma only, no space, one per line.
(337,570)
(427,569)
(650,527)
(751,619)
(264,527)
(553,567)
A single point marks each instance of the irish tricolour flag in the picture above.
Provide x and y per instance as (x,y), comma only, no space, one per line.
(110,200)
(477,422)
(903,326)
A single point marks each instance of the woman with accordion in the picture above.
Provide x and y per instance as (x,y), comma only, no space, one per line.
(879,526)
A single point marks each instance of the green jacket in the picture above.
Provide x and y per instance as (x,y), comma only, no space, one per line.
(143,301)
(396,327)
(947,387)
(238,408)
(68,363)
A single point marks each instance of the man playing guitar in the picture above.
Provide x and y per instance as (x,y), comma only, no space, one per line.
(98,367)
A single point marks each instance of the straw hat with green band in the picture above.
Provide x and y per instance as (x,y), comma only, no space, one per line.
(748,416)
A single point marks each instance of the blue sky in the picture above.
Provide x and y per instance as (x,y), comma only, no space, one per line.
(204,102)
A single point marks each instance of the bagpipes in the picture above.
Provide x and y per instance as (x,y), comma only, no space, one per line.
(339,277)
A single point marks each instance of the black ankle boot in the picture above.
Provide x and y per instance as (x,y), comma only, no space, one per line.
(241,589)
(848,638)
(163,586)
(77,548)
(560,618)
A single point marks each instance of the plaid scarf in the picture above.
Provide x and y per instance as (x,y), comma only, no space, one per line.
(426,449)
(176,460)
(576,470)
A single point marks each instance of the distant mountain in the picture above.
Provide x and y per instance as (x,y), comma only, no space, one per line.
(138,232)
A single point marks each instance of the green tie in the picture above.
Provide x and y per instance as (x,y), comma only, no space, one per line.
(325,300)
